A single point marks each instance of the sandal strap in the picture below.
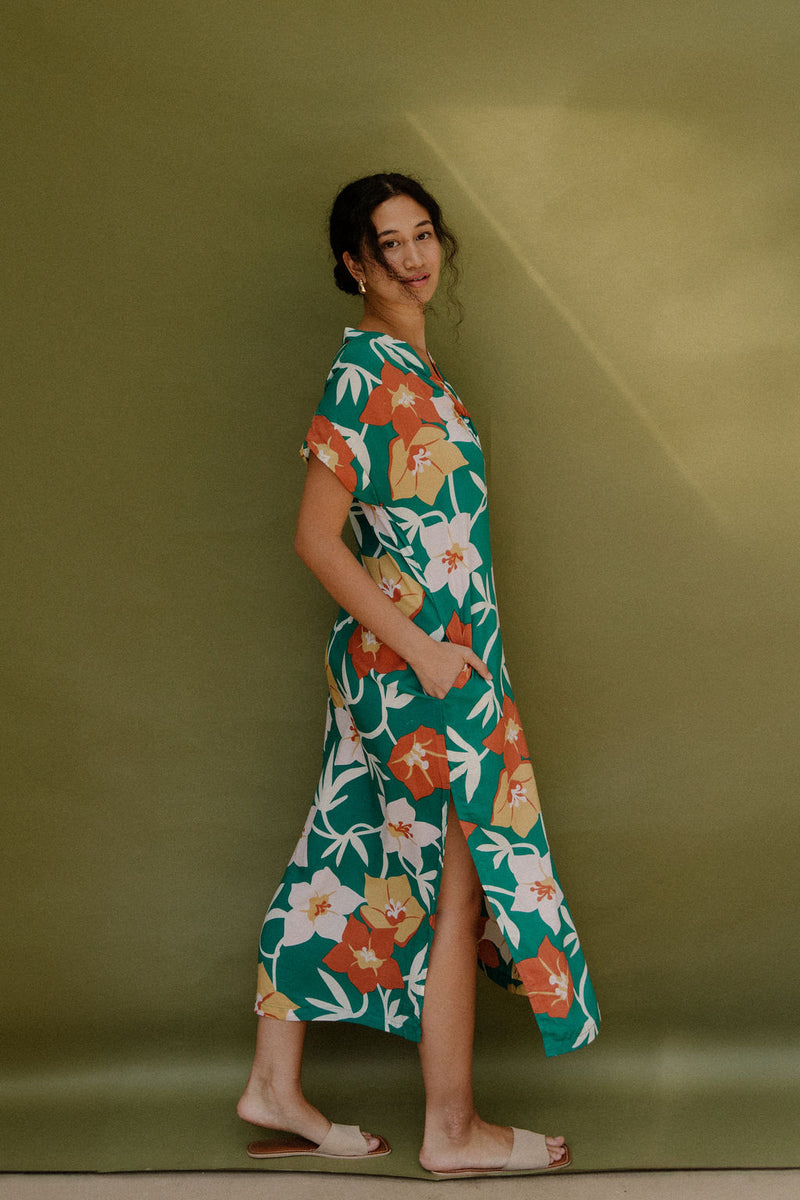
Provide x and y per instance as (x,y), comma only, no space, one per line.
(346,1140)
(528,1152)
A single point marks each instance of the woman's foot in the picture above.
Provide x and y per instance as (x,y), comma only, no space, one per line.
(260,1106)
(474,1145)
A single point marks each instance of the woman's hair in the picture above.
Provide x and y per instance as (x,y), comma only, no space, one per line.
(352,229)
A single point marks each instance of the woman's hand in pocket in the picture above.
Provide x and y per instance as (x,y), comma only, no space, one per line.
(441,664)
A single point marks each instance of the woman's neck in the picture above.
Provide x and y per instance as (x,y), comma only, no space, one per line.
(406,324)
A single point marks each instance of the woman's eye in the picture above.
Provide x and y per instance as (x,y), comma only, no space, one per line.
(390,245)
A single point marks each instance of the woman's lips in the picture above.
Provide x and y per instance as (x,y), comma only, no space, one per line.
(417,281)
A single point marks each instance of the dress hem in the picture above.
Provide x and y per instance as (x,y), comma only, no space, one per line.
(411,1029)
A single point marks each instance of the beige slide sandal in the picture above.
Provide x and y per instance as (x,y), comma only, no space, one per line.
(341,1141)
(529,1154)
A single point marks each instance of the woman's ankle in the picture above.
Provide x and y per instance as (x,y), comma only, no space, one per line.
(265,1091)
(453,1123)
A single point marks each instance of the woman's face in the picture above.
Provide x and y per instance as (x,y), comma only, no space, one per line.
(411,249)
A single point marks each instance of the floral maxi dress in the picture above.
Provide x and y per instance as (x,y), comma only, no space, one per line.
(349,930)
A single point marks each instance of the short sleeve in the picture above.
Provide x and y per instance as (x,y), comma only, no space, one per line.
(338,436)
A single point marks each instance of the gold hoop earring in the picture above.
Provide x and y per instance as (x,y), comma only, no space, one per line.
(361,287)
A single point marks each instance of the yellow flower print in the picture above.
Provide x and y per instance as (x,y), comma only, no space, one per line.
(516,802)
(270,1003)
(421,467)
(336,695)
(406,593)
(391,905)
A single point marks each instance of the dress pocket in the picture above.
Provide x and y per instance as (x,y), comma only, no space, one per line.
(409,685)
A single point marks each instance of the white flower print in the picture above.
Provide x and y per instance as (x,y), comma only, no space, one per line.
(349,748)
(452,557)
(537,890)
(321,906)
(457,429)
(300,855)
(366,869)
(403,834)
(379,520)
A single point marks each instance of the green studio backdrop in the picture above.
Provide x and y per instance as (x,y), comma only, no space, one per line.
(623,177)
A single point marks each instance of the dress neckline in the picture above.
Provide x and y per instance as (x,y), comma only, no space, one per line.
(351,331)
(430,369)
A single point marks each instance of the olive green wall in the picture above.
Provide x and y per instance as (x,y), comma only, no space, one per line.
(623,177)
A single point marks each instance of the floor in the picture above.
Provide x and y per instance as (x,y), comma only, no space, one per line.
(247,1185)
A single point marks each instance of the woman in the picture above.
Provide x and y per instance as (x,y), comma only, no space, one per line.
(427,807)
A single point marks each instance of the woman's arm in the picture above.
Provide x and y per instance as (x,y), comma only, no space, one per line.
(318,541)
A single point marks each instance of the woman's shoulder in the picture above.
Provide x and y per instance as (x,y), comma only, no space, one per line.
(357,348)
(371,350)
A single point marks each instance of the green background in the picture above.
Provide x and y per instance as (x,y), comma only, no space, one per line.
(623,177)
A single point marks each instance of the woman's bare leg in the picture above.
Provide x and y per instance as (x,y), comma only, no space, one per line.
(455,1136)
(273,1097)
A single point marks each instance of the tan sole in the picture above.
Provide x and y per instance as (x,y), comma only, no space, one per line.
(301,1147)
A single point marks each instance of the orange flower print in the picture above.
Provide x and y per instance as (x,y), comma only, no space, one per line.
(458,404)
(325,441)
(404,591)
(516,802)
(507,737)
(367,653)
(365,956)
(460,635)
(548,981)
(493,950)
(420,467)
(419,760)
(405,400)
(270,1003)
(487,952)
(390,905)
